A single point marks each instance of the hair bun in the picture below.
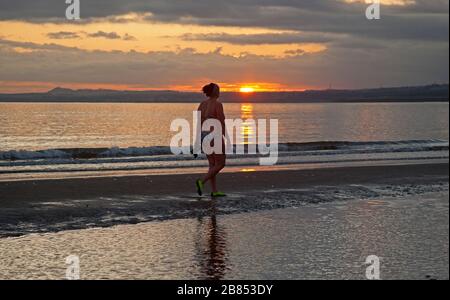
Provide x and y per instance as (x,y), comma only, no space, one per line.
(209,89)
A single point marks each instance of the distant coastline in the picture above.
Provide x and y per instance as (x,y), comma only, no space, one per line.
(428,93)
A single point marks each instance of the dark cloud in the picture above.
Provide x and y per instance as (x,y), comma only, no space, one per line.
(425,20)
(106,35)
(128,37)
(98,34)
(33,46)
(63,35)
(343,67)
(259,39)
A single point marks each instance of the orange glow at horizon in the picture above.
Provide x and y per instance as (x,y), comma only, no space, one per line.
(247,90)
(38,86)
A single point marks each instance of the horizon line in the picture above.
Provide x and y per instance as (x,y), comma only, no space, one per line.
(256,91)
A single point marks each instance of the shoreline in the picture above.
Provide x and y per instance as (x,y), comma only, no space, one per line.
(187,171)
(28,191)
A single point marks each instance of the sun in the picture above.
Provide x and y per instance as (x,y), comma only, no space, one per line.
(246,89)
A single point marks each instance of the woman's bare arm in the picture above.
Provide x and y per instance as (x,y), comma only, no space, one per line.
(221,116)
(200,107)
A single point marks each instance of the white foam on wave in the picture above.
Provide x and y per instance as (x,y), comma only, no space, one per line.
(316,147)
(161,158)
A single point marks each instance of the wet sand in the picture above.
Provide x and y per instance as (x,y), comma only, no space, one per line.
(317,241)
(287,224)
(56,205)
(16,194)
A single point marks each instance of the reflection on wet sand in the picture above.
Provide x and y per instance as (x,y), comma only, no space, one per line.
(211,246)
(328,240)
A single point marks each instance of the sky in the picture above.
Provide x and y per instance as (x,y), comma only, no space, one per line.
(261,45)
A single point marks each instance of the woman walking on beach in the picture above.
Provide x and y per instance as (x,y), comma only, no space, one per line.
(212,109)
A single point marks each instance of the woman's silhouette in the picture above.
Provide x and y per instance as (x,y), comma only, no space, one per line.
(212,109)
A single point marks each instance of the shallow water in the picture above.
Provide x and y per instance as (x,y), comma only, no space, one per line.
(317,241)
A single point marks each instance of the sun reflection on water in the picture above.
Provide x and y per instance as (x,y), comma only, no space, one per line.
(247,130)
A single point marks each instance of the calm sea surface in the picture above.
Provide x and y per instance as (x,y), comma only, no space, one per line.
(41,126)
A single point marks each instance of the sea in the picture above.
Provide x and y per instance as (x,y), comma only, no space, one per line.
(89,139)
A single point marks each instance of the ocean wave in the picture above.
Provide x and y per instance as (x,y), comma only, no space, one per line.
(83,153)
(327,147)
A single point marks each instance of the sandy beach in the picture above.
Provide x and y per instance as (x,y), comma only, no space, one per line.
(287,224)
(304,224)
(55,205)
(23,193)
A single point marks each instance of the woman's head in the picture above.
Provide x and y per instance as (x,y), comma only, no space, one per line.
(212,90)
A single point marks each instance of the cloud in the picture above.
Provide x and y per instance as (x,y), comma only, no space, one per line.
(98,34)
(297,52)
(106,35)
(409,45)
(259,39)
(111,36)
(419,20)
(128,37)
(63,35)
(34,46)
(343,67)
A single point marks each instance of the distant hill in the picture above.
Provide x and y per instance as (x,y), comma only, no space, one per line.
(435,92)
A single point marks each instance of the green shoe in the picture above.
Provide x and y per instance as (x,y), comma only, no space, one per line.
(218,194)
(199,185)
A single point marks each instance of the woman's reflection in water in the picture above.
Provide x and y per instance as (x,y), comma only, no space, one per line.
(211,246)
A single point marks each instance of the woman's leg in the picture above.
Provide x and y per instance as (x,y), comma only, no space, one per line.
(214,184)
(219,164)
(216,164)
(212,162)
